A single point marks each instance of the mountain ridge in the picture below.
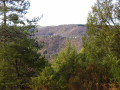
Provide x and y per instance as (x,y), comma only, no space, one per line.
(69,30)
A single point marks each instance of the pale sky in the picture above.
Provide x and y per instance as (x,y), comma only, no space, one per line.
(58,12)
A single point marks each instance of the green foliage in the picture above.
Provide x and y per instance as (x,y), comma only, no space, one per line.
(14,18)
(58,74)
(18,50)
(44,80)
(65,56)
(13,11)
(19,56)
(63,64)
(102,44)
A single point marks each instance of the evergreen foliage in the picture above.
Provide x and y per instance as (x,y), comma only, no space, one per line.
(101,44)
(20,61)
(13,11)
(56,76)
(19,55)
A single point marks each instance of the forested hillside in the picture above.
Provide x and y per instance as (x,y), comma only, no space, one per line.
(69,31)
(55,37)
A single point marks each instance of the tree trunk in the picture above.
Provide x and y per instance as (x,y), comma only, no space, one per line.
(4,11)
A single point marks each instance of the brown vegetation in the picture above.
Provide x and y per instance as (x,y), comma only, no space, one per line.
(54,37)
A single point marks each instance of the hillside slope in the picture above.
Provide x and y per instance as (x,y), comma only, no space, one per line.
(54,37)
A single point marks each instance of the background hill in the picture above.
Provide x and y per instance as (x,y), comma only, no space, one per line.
(54,37)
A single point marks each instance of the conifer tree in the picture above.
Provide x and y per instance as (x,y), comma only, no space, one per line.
(18,53)
(102,42)
(13,11)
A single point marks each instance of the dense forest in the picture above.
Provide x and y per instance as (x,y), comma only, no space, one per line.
(95,67)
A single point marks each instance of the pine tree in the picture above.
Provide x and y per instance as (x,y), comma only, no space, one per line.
(64,65)
(18,56)
(13,11)
(102,42)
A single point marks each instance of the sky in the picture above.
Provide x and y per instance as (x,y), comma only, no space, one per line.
(59,12)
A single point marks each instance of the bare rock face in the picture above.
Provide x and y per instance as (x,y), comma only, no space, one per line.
(54,37)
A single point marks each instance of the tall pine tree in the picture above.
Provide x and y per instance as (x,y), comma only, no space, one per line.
(18,56)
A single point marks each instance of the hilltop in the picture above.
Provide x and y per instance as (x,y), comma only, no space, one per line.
(69,31)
